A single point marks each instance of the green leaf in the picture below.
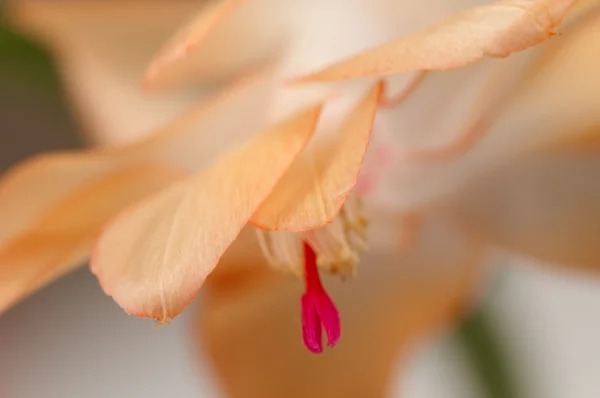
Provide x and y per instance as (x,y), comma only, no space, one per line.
(23,62)
(489,362)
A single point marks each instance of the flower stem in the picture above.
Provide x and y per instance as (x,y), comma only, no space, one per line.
(479,341)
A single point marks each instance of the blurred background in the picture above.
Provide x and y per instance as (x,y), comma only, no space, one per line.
(533,335)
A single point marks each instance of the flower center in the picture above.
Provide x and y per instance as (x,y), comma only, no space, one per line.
(334,248)
(337,244)
(318,310)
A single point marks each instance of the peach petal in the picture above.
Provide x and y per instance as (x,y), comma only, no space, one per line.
(155,256)
(317,185)
(546,206)
(60,240)
(396,99)
(252,315)
(100,67)
(494,30)
(190,142)
(224,38)
(30,189)
(542,200)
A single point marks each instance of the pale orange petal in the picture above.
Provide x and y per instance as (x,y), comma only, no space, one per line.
(30,189)
(544,202)
(154,257)
(548,105)
(188,38)
(250,332)
(314,189)
(494,30)
(554,105)
(546,207)
(101,49)
(223,39)
(62,236)
(190,142)
(579,11)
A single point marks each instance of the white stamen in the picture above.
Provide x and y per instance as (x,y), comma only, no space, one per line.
(283,250)
(337,245)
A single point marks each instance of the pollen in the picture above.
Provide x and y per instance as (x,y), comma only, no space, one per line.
(318,310)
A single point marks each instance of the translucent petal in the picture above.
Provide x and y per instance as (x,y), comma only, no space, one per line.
(546,207)
(223,39)
(396,298)
(190,142)
(314,189)
(549,107)
(62,236)
(100,68)
(493,30)
(541,197)
(155,256)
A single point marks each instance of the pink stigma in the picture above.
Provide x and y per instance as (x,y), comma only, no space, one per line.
(318,310)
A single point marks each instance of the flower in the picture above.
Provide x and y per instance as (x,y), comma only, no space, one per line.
(282,149)
(301,194)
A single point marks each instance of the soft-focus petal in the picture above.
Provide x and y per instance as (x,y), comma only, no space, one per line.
(494,30)
(154,257)
(314,189)
(102,49)
(253,317)
(190,142)
(417,160)
(556,103)
(547,206)
(544,202)
(223,39)
(548,103)
(229,35)
(62,236)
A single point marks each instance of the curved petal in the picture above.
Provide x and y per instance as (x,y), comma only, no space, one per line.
(191,142)
(100,67)
(416,160)
(223,39)
(33,187)
(62,236)
(547,105)
(154,257)
(494,30)
(312,192)
(250,331)
(230,35)
(547,206)
(543,202)
(554,105)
